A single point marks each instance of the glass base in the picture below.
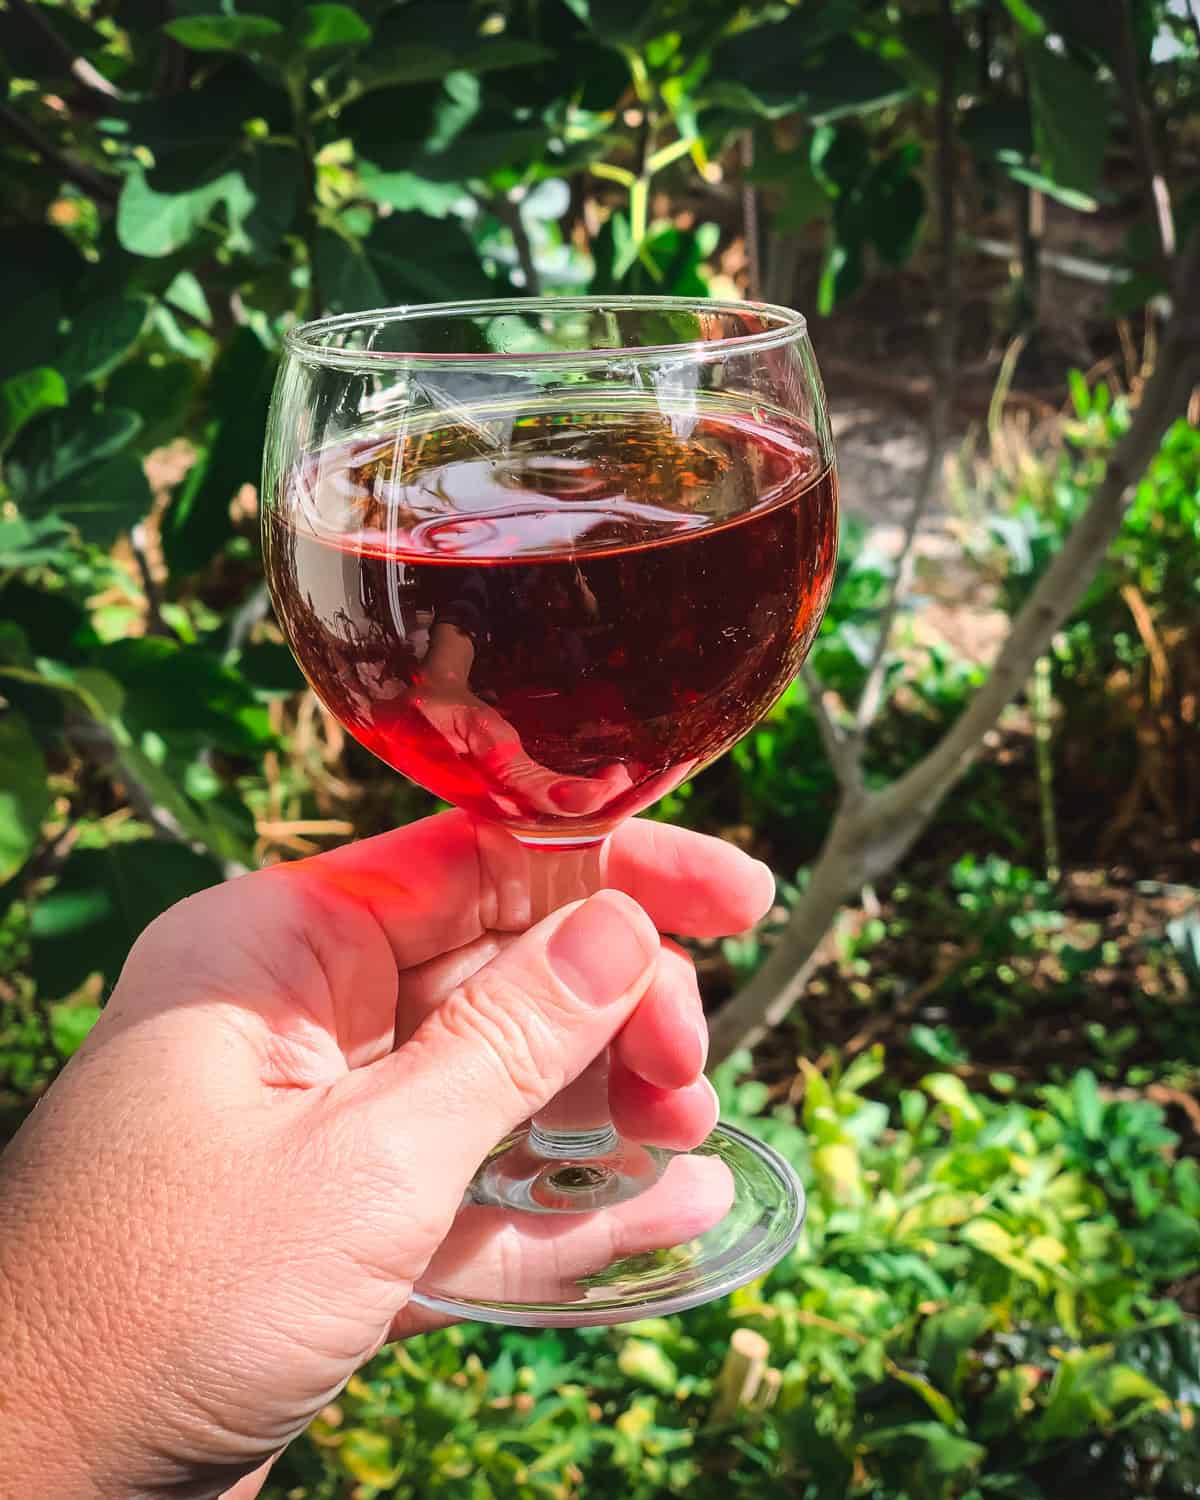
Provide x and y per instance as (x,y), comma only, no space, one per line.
(630,1233)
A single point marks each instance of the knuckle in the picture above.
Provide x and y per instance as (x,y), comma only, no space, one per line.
(514,1038)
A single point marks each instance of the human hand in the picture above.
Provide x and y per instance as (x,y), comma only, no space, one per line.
(219,1210)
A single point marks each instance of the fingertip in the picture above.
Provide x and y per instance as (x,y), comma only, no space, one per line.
(759,890)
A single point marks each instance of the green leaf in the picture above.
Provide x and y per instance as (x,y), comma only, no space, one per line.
(931,1446)
(24,794)
(64,444)
(1070,119)
(99,338)
(156,223)
(160,391)
(197,522)
(407,258)
(185,696)
(103,900)
(100,503)
(69,1026)
(408,191)
(646,1363)
(227,33)
(1089,1108)
(32,544)
(23,396)
(1026,17)
(322,26)
(947,1336)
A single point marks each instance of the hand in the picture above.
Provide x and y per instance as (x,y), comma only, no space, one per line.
(219,1210)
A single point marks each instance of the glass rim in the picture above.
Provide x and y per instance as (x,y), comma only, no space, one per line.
(305,340)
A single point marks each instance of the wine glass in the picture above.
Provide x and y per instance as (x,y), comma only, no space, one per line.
(548,558)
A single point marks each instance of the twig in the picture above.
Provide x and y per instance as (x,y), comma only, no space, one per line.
(946,171)
(754,281)
(869,838)
(904,1009)
(509,214)
(95,184)
(83,71)
(297,88)
(741,1374)
(1041,701)
(838,748)
(155,624)
(256,607)
(1164,398)
(1150,176)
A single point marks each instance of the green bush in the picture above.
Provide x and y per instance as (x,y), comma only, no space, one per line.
(975,1310)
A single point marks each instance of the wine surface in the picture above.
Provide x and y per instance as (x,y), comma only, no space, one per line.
(551,619)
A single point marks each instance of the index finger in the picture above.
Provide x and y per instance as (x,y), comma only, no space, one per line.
(444,881)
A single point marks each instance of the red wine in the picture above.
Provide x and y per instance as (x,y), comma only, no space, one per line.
(551,621)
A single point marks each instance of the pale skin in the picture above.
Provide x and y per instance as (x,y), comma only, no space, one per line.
(219,1210)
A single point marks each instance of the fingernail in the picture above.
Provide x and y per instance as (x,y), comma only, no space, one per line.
(576,797)
(603,948)
(702,1037)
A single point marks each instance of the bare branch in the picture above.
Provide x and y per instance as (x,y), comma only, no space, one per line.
(838,746)
(509,214)
(870,837)
(1165,398)
(96,184)
(945,343)
(88,76)
(1150,176)
(754,281)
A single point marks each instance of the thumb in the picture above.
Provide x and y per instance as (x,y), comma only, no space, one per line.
(503,1043)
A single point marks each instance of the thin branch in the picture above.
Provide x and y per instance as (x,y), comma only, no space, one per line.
(870,837)
(838,746)
(96,184)
(509,214)
(87,75)
(945,342)
(1164,399)
(1150,176)
(754,279)
(155,624)
(302,129)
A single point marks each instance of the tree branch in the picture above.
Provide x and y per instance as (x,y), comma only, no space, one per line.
(96,184)
(838,746)
(754,281)
(945,344)
(85,74)
(509,214)
(870,837)
(1164,399)
(1153,183)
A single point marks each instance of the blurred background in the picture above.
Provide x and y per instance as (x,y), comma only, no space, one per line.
(971,1020)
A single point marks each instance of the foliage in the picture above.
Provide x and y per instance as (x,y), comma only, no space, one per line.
(981,1306)
(968,1314)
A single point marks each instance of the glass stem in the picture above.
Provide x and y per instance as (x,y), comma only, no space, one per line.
(576,1123)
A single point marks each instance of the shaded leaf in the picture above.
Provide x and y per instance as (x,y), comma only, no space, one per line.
(323,26)
(23,396)
(103,900)
(31,544)
(64,444)
(24,793)
(99,338)
(225,33)
(100,503)
(1070,120)
(197,522)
